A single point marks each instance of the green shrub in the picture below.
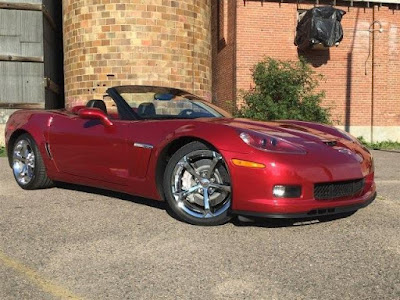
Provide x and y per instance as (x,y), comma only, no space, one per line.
(384,145)
(284,90)
(3,152)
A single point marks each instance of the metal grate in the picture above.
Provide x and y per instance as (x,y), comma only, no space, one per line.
(332,190)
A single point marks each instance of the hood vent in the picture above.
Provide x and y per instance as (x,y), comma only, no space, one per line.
(330,143)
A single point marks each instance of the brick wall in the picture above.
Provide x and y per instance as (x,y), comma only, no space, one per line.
(223,53)
(351,85)
(156,42)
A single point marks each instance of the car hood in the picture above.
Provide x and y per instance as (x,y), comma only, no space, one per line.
(283,129)
(312,137)
(325,145)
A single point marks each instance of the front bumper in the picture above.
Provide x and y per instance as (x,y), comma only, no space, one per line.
(312,213)
(252,188)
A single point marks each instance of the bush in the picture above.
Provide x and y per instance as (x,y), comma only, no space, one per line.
(284,90)
(3,152)
(384,145)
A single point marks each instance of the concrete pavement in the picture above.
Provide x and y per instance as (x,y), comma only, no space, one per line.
(75,243)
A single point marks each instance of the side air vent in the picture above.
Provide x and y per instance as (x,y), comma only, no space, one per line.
(47,146)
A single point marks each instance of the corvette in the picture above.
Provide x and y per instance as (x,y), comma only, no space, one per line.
(167,144)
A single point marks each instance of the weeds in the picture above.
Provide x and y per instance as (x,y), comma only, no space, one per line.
(384,145)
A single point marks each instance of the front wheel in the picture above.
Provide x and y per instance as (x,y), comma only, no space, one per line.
(28,166)
(197,185)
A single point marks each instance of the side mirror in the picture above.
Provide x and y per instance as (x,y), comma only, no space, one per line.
(76,109)
(95,114)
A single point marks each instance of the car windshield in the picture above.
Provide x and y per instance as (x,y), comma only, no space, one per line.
(169,104)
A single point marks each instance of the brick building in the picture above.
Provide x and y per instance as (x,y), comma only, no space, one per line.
(361,76)
(209,46)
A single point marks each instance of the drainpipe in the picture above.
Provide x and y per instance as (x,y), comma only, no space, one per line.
(373,73)
(372,53)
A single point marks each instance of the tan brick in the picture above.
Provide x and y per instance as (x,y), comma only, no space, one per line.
(134,41)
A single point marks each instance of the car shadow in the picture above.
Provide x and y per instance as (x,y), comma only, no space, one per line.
(112,194)
(238,221)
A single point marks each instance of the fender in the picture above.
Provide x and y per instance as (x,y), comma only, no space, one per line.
(37,124)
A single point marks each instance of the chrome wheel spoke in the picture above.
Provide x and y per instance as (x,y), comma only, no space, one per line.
(206,199)
(192,171)
(23,175)
(29,171)
(183,194)
(198,184)
(26,178)
(207,209)
(18,156)
(25,150)
(24,162)
(221,187)
(215,162)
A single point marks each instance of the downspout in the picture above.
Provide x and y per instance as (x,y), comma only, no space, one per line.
(193,50)
(234,100)
(372,53)
(373,73)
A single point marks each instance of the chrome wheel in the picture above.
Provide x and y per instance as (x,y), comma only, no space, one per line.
(23,162)
(200,184)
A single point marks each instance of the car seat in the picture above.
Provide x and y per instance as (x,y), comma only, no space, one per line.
(97,104)
(146,109)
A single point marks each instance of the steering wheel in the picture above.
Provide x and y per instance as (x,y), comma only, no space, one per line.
(186,112)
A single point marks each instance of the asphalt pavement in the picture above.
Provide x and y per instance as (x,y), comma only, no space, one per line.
(78,243)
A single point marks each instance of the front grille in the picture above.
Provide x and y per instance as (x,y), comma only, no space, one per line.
(332,190)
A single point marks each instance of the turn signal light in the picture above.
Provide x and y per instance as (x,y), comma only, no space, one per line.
(247,164)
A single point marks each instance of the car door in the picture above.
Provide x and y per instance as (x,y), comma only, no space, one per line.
(87,148)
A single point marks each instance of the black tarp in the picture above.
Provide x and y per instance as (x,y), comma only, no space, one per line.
(320,25)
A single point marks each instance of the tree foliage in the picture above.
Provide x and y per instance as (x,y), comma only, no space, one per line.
(284,90)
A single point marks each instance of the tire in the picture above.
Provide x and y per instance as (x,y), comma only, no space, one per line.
(197,186)
(28,166)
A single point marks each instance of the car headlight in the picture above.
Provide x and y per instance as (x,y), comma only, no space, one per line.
(269,143)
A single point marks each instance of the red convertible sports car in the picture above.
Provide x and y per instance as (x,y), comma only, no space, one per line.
(167,144)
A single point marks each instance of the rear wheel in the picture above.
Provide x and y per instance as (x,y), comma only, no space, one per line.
(198,186)
(27,163)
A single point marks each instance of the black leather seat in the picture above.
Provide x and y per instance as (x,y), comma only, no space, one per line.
(146,109)
(97,104)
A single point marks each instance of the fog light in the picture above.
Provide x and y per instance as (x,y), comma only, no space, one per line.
(287,191)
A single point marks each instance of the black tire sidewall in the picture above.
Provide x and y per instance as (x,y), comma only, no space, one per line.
(173,205)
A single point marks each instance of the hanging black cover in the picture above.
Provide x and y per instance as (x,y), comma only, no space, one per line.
(320,25)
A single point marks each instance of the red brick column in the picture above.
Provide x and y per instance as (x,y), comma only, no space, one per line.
(109,43)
